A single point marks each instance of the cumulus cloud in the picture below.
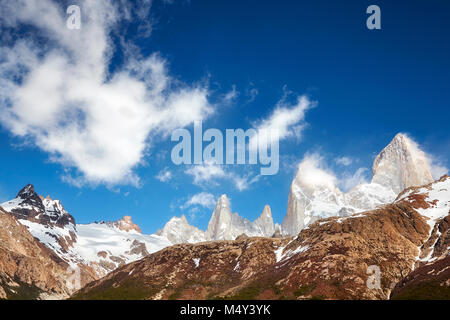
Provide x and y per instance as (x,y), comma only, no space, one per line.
(209,174)
(203,199)
(287,120)
(58,92)
(313,172)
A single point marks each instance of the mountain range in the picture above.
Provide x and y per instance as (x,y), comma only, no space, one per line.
(399,221)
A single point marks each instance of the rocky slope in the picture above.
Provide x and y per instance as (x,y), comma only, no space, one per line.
(400,165)
(28,269)
(330,259)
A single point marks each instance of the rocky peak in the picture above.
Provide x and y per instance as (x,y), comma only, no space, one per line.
(28,205)
(401,164)
(223,202)
(220,223)
(126,224)
(26,192)
(265,222)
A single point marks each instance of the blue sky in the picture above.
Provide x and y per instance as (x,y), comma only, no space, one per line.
(242,58)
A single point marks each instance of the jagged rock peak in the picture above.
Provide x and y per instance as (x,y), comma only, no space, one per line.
(126,224)
(401,164)
(267,212)
(265,222)
(223,202)
(26,192)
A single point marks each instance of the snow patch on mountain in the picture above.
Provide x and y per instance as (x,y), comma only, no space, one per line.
(111,247)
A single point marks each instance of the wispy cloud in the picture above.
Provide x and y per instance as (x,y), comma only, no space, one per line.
(252,93)
(203,199)
(164,175)
(61,96)
(344,161)
(287,120)
(230,96)
(209,174)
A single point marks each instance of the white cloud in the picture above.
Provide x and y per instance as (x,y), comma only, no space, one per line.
(344,161)
(284,122)
(203,199)
(164,175)
(314,173)
(61,96)
(208,174)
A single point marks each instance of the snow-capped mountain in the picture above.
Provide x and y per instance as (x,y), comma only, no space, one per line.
(28,205)
(106,246)
(399,165)
(100,247)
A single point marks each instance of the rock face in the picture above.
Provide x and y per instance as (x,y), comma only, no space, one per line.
(125,224)
(399,165)
(331,259)
(28,269)
(265,222)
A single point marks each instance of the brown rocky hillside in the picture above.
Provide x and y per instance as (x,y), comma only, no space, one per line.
(28,270)
(328,260)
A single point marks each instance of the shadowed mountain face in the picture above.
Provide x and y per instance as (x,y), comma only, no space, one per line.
(330,259)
